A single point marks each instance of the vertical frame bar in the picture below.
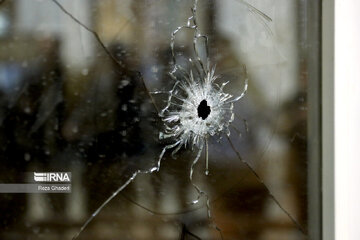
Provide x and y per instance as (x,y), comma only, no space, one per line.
(310,40)
(328,216)
(347,119)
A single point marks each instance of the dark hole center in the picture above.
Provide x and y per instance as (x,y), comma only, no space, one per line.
(203,110)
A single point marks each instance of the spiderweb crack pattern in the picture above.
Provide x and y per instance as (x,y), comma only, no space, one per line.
(183,125)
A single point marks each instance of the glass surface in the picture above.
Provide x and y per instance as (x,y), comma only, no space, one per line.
(82,89)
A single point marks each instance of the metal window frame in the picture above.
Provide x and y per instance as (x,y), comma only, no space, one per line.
(327,89)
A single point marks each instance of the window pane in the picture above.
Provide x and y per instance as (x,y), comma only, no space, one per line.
(176,119)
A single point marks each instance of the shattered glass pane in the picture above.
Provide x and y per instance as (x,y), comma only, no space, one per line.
(177,119)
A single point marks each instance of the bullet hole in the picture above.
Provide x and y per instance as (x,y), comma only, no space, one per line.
(203,110)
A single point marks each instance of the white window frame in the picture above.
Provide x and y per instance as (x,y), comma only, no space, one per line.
(341,119)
